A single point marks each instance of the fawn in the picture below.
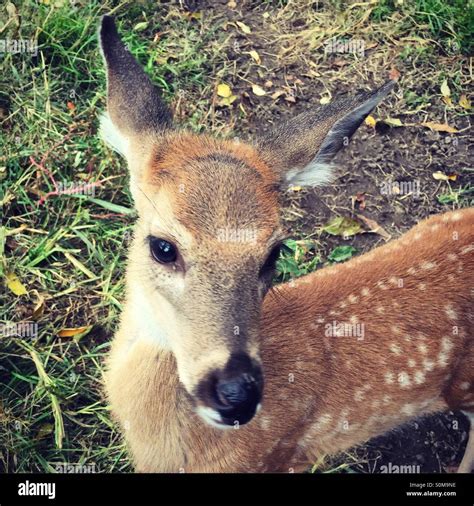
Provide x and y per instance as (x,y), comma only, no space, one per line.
(199,335)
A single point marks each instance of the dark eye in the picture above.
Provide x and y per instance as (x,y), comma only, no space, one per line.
(163,251)
(269,265)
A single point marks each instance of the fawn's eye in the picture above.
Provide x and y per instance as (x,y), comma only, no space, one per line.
(163,251)
(270,262)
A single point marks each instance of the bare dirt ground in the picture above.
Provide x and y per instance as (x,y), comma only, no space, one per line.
(374,157)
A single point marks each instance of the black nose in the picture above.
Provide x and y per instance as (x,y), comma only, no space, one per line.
(236,391)
(237,398)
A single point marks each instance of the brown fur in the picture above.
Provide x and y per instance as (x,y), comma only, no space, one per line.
(340,377)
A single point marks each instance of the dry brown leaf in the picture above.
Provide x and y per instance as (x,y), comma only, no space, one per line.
(440,176)
(440,127)
(394,74)
(70,332)
(277,94)
(374,227)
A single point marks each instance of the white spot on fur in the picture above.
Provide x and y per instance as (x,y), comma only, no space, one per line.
(411,271)
(342,305)
(452,257)
(386,399)
(411,363)
(404,379)
(419,377)
(427,266)
(380,310)
(417,236)
(394,348)
(389,378)
(365,292)
(464,385)
(422,287)
(428,364)
(396,330)
(353,299)
(450,312)
(456,216)
(467,249)
(422,348)
(382,285)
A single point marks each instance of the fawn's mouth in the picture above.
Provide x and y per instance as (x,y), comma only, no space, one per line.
(224,421)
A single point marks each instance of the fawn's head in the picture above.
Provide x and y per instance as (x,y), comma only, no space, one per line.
(208,232)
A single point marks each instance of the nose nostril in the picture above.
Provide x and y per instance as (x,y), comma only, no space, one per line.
(236,392)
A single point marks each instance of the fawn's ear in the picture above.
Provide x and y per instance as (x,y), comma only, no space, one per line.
(134,105)
(300,150)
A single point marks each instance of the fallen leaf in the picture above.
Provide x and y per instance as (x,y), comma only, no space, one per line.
(255,56)
(440,127)
(445,91)
(277,94)
(15,285)
(295,188)
(258,90)
(370,121)
(268,84)
(245,29)
(341,253)
(232,4)
(394,74)
(290,98)
(374,227)
(71,106)
(228,101)
(343,226)
(464,102)
(224,90)
(39,307)
(394,122)
(71,332)
(325,100)
(448,101)
(440,176)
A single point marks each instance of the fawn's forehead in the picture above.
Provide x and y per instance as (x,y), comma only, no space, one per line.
(215,188)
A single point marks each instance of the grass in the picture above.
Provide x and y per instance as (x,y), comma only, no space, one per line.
(67,252)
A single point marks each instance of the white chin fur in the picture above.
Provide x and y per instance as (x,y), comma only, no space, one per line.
(212,417)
